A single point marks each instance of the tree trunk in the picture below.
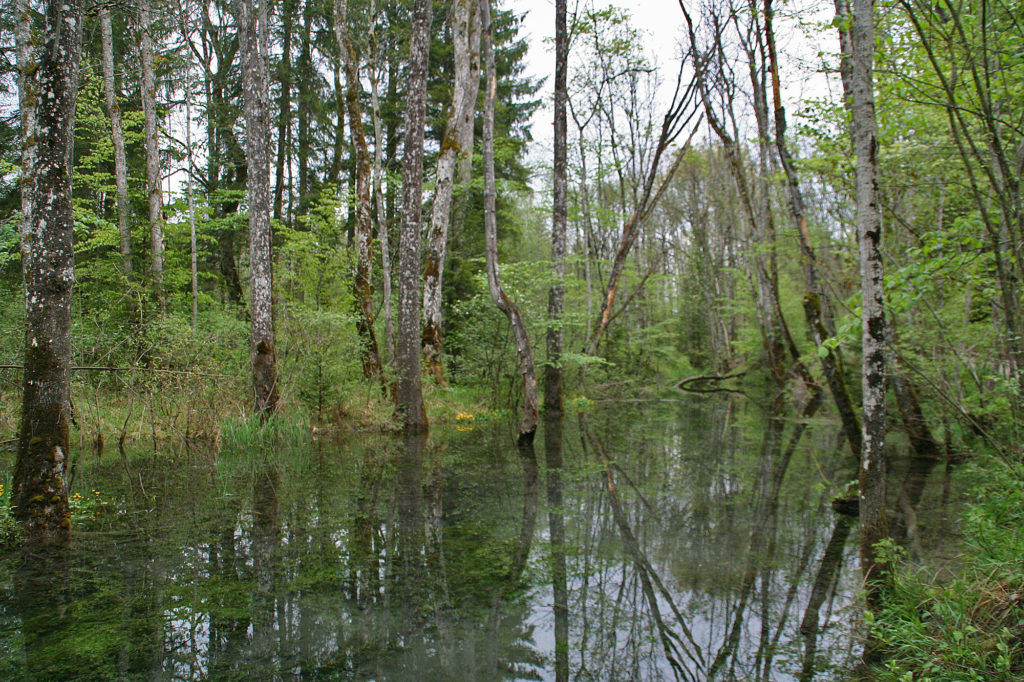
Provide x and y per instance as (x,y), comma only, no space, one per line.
(39,497)
(252,25)
(284,123)
(117,137)
(363,285)
(681,112)
(27,104)
(815,303)
(559,217)
(409,394)
(873,526)
(152,144)
(192,216)
(382,222)
(305,82)
(433,269)
(528,425)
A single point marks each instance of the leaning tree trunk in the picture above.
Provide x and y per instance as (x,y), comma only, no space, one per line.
(559,217)
(409,394)
(40,497)
(528,425)
(815,302)
(117,137)
(433,268)
(363,285)
(152,144)
(873,525)
(252,25)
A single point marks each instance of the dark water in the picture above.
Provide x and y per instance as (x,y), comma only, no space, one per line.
(674,540)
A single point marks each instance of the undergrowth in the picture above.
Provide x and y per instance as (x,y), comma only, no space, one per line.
(969,626)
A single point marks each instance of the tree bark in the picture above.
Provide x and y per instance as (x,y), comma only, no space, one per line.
(528,425)
(27,95)
(433,268)
(382,222)
(815,302)
(559,216)
(873,526)
(152,144)
(410,394)
(117,137)
(363,285)
(193,251)
(252,25)
(284,123)
(39,497)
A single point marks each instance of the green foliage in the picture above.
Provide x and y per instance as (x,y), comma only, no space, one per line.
(966,626)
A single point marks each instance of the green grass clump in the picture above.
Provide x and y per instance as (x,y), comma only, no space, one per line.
(969,627)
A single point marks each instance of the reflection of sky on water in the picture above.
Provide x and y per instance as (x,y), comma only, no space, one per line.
(340,581)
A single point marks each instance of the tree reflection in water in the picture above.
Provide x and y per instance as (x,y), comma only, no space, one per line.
(683,541)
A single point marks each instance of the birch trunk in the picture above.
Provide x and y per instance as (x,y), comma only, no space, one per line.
(152,144)
(528,425)
(39,497)
(409,393)
(873,526)
(559,217)
(252,25)
(363,286)
(433,269)
(117,137)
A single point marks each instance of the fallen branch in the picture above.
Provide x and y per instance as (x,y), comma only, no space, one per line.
(685,384)
(133,369)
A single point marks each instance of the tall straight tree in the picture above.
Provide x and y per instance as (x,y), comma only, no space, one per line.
(528,424)
(859,51)
(40,496)
(117,137)
(364,209)
(559,216)
(252,37)
(410,394)
(152,144)
(27,106)
(459,116)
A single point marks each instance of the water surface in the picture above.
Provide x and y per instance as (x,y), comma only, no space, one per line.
(687,539)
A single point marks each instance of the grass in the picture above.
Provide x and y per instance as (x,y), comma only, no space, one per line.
(968,626)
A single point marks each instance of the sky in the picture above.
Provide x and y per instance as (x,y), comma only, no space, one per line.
(662,22)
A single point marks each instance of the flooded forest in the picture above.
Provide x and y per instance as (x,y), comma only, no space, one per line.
(515,340)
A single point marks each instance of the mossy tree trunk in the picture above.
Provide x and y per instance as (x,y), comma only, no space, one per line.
(363,284)
(459,115)
(40,496)
(873,526)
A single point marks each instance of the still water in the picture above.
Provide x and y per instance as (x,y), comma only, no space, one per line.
(684,540)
